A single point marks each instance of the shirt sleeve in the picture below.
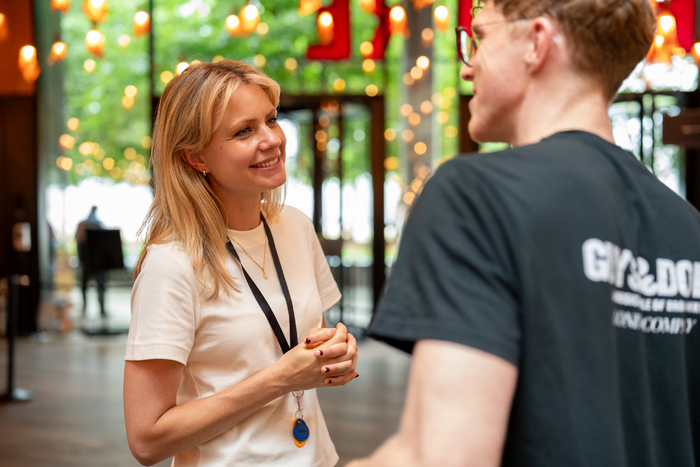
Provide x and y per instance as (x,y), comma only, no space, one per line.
(327,287)
(453,278)
(164,306)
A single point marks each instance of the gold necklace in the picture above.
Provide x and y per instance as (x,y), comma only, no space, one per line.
(262,268)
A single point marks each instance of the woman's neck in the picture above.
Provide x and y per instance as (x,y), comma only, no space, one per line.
(243,214)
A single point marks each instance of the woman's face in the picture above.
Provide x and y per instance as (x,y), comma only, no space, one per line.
(246,154)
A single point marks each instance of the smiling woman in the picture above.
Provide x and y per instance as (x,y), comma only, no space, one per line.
(205,379)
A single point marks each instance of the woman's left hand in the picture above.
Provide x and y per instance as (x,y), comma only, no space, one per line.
(338,347)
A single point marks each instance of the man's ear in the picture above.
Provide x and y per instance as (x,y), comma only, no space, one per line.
(540,35)
(194,160)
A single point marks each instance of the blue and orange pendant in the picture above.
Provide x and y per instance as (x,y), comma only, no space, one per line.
(300,432)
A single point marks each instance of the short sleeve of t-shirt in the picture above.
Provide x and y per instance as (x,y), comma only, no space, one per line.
(164,305)
(327,287)
(454,277)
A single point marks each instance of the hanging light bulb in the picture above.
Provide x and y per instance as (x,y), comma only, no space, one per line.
(233,25)
(666,40)
(325,27)
(397,20)
(95,42)
(61,5)
(3,27)
(182,66)
(96,10)
(306,7)
(250,17)
(142,23)
(366,49)
(420,4)
(442,18)
(370,6)
(28,64)
(695,52)
(59,50)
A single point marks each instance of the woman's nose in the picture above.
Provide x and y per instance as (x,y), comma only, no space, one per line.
(270,138)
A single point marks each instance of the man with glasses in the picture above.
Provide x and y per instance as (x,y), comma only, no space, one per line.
(550,292)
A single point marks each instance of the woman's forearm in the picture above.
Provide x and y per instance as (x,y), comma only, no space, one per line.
(157,428)
(184,426)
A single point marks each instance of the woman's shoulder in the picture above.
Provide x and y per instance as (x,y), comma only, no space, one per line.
(166,257)
(291,216)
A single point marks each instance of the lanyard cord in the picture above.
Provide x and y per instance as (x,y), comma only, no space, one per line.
(264,306)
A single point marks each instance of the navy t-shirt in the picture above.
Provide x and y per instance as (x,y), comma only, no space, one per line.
(569,259)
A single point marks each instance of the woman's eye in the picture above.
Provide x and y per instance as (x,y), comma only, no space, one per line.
(272,121)
(243,132)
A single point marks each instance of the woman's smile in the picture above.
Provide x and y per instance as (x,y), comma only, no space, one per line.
(267,163)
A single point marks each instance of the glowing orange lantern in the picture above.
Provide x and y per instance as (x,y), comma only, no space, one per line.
(59,50)
(250,17)
(61,5)
(95,42)
(666,40)
(370,6)
(28,64)
(3,27)
(96,10)
(325,27)
(420,4)
(442,18)
(306,7)
(695,52)
(397,20)
(233,25)
(142,23)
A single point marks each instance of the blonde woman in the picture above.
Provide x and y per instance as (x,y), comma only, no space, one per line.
(226,286)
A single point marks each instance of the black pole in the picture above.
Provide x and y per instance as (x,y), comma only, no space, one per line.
(13,394)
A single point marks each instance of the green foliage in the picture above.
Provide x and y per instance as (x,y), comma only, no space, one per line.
(195,30)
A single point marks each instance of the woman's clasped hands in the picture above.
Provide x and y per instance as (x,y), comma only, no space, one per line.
(326,357)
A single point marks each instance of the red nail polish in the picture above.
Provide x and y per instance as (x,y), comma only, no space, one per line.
(308,340)
(326,369)
(328,381)
(320,352)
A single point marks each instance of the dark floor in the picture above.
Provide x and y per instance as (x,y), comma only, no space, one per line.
(76,417)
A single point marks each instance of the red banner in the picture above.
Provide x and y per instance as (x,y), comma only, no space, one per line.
(339,47)
(684,12)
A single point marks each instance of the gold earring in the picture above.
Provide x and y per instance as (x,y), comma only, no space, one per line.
(204,172)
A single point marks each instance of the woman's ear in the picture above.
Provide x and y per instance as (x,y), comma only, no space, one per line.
(194,160)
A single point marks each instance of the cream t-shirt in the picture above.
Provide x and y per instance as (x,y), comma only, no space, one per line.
(223,341)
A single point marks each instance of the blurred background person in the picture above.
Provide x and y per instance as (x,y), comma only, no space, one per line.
(92,222)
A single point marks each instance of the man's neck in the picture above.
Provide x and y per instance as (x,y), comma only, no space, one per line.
(569,104)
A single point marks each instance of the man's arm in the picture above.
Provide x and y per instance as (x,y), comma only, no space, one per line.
(457,408)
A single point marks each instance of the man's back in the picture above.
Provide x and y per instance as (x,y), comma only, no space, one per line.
(546,255)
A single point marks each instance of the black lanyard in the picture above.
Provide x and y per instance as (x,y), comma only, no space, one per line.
(264,306)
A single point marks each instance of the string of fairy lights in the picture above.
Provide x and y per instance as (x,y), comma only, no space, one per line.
(132,167)
(248,21)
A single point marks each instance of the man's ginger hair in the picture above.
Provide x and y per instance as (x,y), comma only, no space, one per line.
(607,38)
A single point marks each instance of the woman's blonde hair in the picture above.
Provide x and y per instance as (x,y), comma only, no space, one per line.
(185,209)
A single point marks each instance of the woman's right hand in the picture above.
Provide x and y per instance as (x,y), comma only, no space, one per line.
(303,370)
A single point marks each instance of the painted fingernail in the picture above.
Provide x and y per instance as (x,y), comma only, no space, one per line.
(308,340)
(357,376)
(328,381)
(320,353)
(326,369)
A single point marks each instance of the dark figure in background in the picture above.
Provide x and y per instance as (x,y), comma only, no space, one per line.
(90,223)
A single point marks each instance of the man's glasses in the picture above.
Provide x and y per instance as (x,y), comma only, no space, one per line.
(466,46)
